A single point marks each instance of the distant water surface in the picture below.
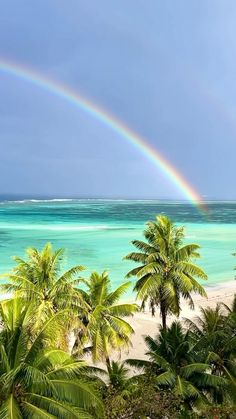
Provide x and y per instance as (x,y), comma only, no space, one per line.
(97,233)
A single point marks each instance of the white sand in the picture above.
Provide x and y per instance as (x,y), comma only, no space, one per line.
(144,324)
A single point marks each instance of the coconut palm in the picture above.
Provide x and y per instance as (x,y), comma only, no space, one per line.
(37,379)
(117,378)
(172,363)
(40,278)
(107,330)
(208,328)
(118,375)
(215,343)
(166,271)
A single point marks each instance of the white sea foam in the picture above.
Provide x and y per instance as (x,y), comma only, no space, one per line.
(63,227)
(50,200)
(25,201)
(75,227)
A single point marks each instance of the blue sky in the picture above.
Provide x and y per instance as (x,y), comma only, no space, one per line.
(166,69)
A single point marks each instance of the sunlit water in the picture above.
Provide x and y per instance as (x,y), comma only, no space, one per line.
(97,233)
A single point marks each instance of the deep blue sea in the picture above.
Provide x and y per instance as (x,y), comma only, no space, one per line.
(97,233)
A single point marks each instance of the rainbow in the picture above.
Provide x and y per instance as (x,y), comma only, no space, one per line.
(65,93)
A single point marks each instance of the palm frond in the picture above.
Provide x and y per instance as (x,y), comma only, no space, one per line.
(57,408)
(148,286)
(190,369)
(139,363)
(123,310)
(78,393)
(167,378)
(10,409)
(31,411)
(114,296)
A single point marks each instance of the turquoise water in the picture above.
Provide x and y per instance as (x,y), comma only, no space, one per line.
(97,233)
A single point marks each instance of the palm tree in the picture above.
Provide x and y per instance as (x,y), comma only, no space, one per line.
(210,326)
(118,375)
(215,343)
(37,379)
(166,270)
(40,278)
(107,330)
(172,364)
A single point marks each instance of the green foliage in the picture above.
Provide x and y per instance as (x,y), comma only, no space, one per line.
(145,401)
(173,359)
(166,271)
(118,376)
(37,379)
(214,340)
(106,328)
(40,278)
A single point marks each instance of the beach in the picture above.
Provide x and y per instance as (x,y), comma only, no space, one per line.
(144,324)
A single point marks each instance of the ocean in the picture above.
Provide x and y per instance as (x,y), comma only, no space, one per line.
(98,233)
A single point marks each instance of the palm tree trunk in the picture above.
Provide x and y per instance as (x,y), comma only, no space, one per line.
(163,313)
(108,363)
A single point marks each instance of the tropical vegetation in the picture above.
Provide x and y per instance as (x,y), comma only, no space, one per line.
(55,327)
(40,277)
(166,271)
(106,329)
(37,378)
(174,363)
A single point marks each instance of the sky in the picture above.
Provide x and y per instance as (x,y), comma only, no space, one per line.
(165,69)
